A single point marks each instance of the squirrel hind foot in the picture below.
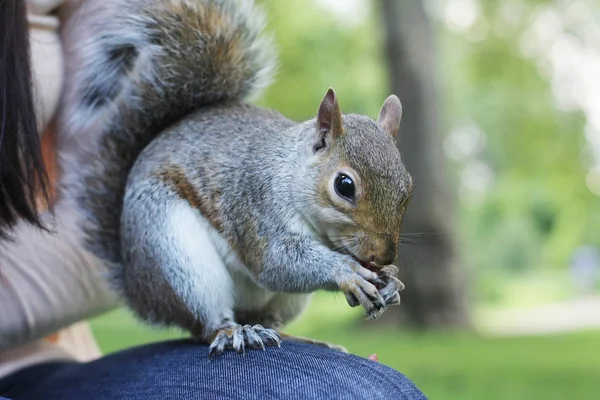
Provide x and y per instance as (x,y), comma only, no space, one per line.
(241,337)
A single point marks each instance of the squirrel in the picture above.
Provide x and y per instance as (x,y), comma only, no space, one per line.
(214,215)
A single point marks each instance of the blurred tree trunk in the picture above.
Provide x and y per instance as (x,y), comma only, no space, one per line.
(435,292)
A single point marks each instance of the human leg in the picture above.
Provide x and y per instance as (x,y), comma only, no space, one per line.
(182,370)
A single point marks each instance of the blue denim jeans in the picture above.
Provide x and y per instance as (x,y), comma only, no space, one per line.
(181,370)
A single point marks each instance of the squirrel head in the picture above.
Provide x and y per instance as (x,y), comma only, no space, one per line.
(362,186)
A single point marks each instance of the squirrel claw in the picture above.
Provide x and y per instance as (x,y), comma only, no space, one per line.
(267,336)
(391,291)
(239,338)
(392,287)
(389,270)
(352,300)
(375,312)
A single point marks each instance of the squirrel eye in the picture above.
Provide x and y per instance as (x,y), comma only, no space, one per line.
(344,186)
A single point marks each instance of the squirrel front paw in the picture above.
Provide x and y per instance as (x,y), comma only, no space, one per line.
(360,287)
(376,290)
(239,337)
(393,286)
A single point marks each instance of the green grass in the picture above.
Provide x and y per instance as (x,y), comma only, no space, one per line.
(444,365)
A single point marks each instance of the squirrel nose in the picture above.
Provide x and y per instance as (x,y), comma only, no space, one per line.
(385,257)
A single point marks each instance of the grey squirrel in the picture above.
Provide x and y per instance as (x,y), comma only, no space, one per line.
(216,216)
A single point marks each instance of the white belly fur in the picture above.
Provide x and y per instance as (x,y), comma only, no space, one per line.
(249,296)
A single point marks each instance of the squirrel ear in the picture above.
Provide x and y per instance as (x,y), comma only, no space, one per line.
(390,115)
(329,117)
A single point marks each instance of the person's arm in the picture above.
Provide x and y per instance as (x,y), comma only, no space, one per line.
(47,282)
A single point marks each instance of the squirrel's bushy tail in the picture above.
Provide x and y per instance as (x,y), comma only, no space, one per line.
(134,67)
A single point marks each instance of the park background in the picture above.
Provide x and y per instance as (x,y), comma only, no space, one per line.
(501,131)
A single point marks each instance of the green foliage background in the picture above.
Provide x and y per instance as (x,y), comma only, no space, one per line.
(537,209)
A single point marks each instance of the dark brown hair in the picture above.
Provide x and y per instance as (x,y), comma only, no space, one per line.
(22,174)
